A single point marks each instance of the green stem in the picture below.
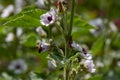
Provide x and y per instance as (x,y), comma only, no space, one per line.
(66,67)
(71,20)
(65,23)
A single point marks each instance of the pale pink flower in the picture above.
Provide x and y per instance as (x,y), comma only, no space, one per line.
(48,18)
(18,66)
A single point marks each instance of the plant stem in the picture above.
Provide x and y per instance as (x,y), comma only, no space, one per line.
(71,20)
(66,67)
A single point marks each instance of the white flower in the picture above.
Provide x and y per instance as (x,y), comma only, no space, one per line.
(1,7)
(9,37)
(40,31)
(99,24)
(84,54)
(7,11)
(48,18)
(40,3)
(43,46)
(19,5)
(87,56)
(18,66)
(19,32)
(88,64)
(76,46)
(52,64)
(118,63)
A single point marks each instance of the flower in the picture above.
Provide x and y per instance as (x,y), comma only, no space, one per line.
(98,23)
(84,54)
(76,46)
(43,46)
(52,64)
(19,32)
(18,66)
(19,5)
(88,64)
(10,37)
(40,31)
(48,18)
(40,3)
(7,11)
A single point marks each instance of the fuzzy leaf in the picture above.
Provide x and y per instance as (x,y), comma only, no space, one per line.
(28,17)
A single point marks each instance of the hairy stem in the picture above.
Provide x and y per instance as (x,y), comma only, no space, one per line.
(71,20)
(66,67)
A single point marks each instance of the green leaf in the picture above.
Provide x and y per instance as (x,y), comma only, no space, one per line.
(29,40)
(97,77)
(28,17)
(98,46)
(82,24)
(79,23)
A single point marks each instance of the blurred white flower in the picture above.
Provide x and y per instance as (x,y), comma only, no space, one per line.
(99,64)
(7,11)
(9,37)
(113,27)
(76,46)
(1,7)
(40,3)
(98,23)
(48,18)
(118,63)
(88,64)
(87,76)
(40,31)
(19,32)
(18,66)
(18,5)
(52,64)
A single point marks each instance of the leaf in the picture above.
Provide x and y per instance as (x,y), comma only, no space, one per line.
(82,24)
(97,47)
(29,40)
(79,23)
(28,17)
(97,77)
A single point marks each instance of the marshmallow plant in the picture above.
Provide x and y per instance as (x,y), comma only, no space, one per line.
(72,53)
(53,28)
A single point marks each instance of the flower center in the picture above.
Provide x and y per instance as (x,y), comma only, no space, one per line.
(49,18)
(17,66)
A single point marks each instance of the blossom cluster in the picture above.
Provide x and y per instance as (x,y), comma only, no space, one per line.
(87,62)
(50,18)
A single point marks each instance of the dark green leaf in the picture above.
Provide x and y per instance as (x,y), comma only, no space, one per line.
(27,18)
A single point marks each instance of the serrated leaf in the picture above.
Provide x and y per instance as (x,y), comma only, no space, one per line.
(29,17)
